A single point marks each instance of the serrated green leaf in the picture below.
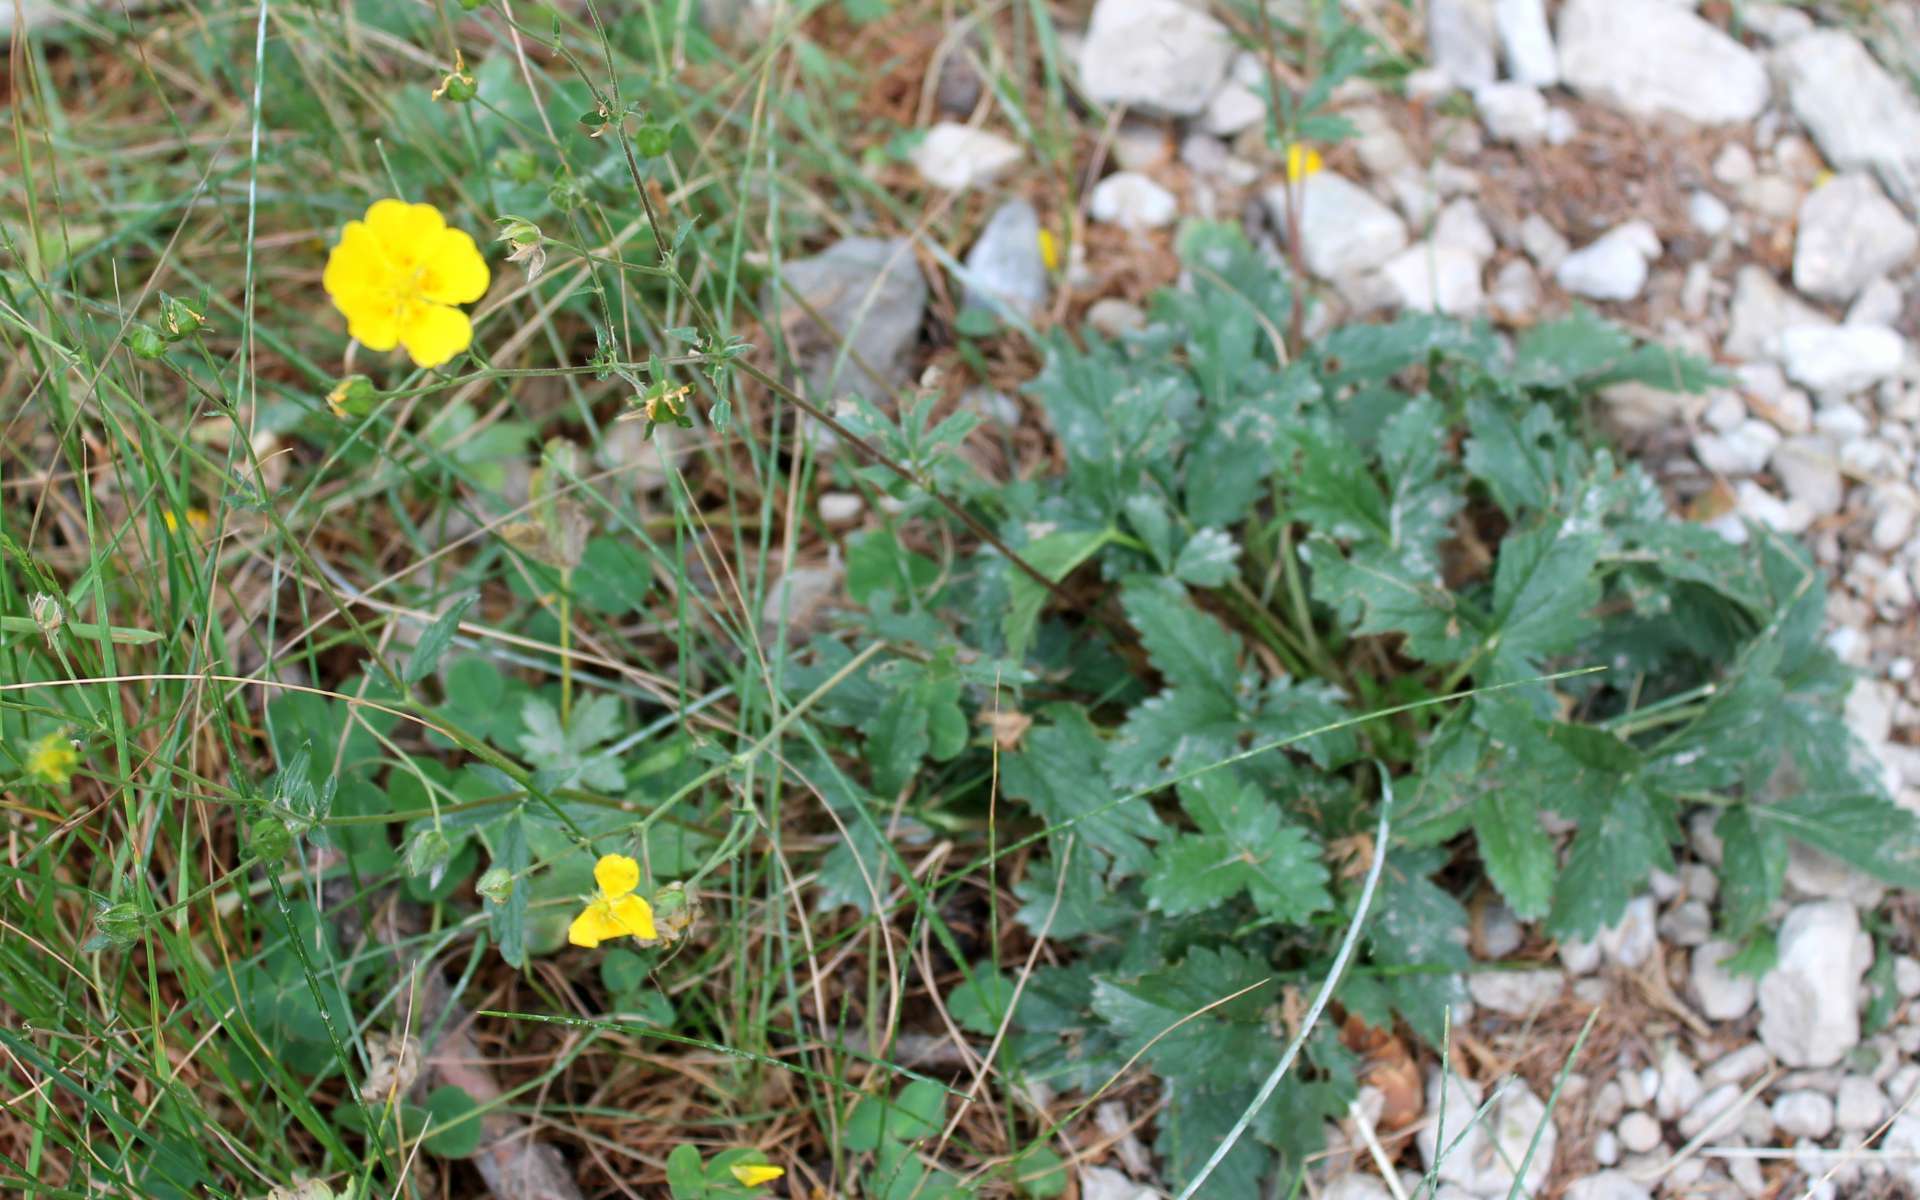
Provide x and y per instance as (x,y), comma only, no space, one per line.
(1753,869)
(1543,588)
(1192,1127)
(1054,556)
(1060,772)
(1516,851)
(981,1004)
(1224,1044)
(507,920)
(1609,859)
(1244,844)
(1207,560)
(1188,647)
(1864,830)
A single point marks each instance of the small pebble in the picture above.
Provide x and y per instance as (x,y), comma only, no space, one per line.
(1638,1132)
(1859,1104)
(1804,1114)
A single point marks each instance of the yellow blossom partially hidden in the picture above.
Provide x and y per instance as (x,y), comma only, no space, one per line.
(1302,161)
(1049,250)
(197,520)
(755,1174)
(396,277)
(51,760)
(614,910)
(1824,178)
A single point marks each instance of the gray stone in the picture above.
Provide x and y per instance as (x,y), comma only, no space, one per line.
(1614,267)
(1776,22)
(1512,112)
(1115,318)
(841,508)
(1902,1144)
(1710,1109)
(1105,1183)
(1140,145)
(869,294)
(1804,1114)
(1544,244)
(1743,450)
(1578,957)
(1736,1066)
(1606,1148)
(801,597)
(1431,277)
(1839,358)
(1155,56)
(1906,976)
(1761,311)
(1678,1087)
(1722,995)
(1708,213)
(1500,931)
(1631,941)
(1859,1104)
(1357,1186)
(1850,234)
(1460,40)
(1343,230)
(1516,993)
(1606,1185)
(1481,1156)
(1809,1001)
(1809,470)
(1863,117)
(1515,295)
(1238,104)
(1879,303)
(955,156)
(1648,58)
(1688,923)
(1006,264)
(1132,201)
(1526,43)
(1639,1132)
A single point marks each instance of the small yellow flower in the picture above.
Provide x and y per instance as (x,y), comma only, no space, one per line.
(614,910)
(197,520)
(396,277)
(1302,161)
(755,1174)
(1049,250)
(51,760)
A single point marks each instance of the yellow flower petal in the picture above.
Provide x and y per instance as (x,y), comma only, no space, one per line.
(594,925)
(405,230)
(634,916)
(451,269)
(356,268)
(433,333)
(616,874)
(52,759)
(1302,161)
(755,1174)
(373,325)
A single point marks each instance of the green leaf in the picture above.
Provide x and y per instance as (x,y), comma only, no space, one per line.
(1194,1123)
(1207,560)
(572,751)
(1060,772)
(1516,851)
(981,1004)
(1054,556)
(1543,587)
(685,1178)
(877,564)
(1188,647)
(1245,845)
(1609,859)
(447,1105)
(1374,594)
(1041,1174)
(914,1114)
(1224,1044)
(612,577)
(433,643)
(508,919)
(1865,830)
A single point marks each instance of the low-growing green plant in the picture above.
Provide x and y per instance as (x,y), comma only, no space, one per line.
(1401,548)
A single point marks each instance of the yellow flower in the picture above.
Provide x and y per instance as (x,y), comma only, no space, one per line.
(614,910)
(51,760)
(1302,161)
(396,277)
(1049,250)
(197,520)
(755,1174)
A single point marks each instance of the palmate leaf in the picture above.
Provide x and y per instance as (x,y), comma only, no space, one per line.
(1059,772)
(1415,923)
(1374,594)
(1224,1045)
(1519,856)
(1165,736)
(1188,647)
(1244,845)
(1543,588)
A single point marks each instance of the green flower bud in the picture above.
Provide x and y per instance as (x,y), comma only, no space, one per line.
(428,854)
(352,397)
(269,838)
(145,342)
(114,924)
(178,320)
(496,884)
